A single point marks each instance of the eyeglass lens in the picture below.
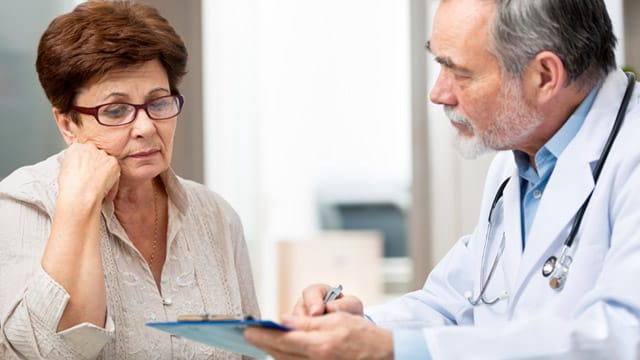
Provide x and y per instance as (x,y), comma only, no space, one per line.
(122,113)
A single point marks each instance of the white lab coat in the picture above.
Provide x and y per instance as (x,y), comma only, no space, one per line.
(597,315)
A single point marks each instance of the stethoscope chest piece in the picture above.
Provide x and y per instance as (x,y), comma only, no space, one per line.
(549,266)
(558,269)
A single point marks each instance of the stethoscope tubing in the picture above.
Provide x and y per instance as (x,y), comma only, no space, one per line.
(484,284)
(485,248)
(631,80)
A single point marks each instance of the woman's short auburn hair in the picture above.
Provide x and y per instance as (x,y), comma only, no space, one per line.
(99,36)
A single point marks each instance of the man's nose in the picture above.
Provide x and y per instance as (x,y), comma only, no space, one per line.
(442,91)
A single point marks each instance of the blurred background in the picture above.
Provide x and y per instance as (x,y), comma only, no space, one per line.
(312,119)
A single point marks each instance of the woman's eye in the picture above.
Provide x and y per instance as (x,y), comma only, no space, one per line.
(115,110)
(159,104)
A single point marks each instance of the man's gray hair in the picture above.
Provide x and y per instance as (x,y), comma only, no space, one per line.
(579,32)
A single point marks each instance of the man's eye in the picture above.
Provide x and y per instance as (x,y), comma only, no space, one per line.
(461,76)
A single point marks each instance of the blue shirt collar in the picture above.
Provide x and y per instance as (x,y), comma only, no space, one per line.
(568,131)
(559,141)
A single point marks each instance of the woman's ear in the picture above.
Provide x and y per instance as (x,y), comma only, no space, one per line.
(67,127)
(545,76)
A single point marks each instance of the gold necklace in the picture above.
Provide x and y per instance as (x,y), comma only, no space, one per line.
(154,244)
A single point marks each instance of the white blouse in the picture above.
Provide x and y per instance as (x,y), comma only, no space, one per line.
(207,269)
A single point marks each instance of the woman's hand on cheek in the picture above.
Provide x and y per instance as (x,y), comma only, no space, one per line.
(88,173)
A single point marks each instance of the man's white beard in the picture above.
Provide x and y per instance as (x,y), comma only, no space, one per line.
(513,123)
(470,147)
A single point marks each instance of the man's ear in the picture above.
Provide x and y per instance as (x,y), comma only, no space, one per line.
(545,76)
(67,127)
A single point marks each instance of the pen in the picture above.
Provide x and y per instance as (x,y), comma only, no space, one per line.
(333,293)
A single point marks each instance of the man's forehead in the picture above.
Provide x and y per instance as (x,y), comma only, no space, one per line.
(460,37)
(455,21)
(472,1)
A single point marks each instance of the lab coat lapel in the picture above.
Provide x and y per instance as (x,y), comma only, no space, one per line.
(568,188)
(571,181)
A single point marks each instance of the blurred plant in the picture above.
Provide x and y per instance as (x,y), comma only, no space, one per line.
(628,68)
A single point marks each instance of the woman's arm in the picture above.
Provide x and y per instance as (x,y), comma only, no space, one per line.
(41,295)
(72,254)
(31,302)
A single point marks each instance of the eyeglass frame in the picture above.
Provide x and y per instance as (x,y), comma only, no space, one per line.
(95,109)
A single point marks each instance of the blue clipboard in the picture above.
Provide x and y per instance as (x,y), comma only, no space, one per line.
(225,334)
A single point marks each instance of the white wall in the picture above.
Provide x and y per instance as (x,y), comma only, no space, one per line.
(302,98)
(616,12)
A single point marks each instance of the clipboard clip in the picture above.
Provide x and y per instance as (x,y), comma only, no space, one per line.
(213,317)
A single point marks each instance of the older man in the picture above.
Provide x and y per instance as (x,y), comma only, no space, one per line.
(549,270)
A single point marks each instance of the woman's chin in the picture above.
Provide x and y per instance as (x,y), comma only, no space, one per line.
(141,174)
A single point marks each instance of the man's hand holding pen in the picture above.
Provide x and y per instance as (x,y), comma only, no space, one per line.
(320,299)
(327,324)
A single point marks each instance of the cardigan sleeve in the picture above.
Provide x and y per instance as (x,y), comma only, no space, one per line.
(31,302)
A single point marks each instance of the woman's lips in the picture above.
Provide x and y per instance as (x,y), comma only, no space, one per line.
(144,154)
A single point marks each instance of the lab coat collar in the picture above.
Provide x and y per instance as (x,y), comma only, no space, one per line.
(571,181)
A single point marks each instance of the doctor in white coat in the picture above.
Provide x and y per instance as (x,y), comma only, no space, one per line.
(534,80)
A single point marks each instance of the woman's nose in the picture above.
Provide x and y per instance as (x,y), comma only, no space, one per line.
(143,124)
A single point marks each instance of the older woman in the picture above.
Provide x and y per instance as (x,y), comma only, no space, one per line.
(103,237)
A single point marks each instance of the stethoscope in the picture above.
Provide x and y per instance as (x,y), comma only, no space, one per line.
(555,268)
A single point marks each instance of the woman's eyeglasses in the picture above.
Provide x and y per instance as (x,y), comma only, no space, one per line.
(120,113)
